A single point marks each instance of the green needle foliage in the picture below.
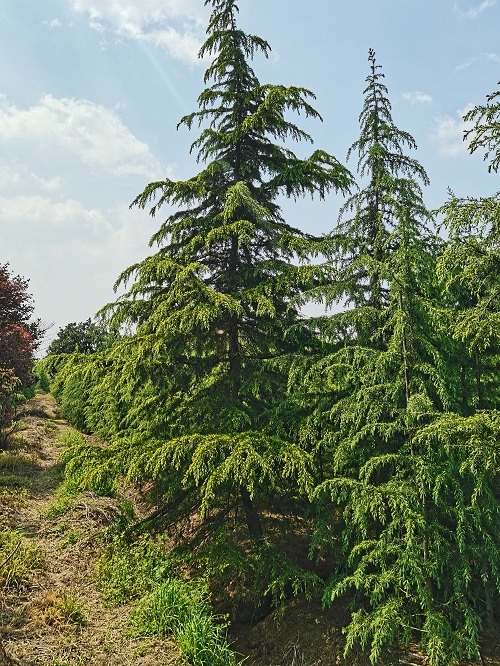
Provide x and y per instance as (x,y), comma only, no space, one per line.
(377,427)
(189,399)
(470,273)
(398,502)
(215,302)
(485,134)
(362,242)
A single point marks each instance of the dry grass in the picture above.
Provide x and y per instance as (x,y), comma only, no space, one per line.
(57,618)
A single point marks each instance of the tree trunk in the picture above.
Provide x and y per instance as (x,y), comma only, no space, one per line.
(463,391)
(405,356)
(490,616)
(478,380)
(234,358)
(252,516)
(233,329)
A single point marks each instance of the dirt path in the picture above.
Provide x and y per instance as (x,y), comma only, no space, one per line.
(58,619)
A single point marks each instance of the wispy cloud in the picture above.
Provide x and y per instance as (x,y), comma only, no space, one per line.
(84,250)
(64,224)
(488,57)
(54,23)
(91,132)
(174,25)
(417,97)
(474,12)
(448,133)
(16,178)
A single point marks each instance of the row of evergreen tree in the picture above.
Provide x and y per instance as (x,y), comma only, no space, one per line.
(377,424)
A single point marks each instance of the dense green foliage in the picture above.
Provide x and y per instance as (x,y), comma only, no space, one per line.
(20,336)
(182,610)
(216,301)
(485,133)
(371,434)
(167,605)
(400,497)
(86,337)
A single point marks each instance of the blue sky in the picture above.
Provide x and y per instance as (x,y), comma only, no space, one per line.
(91,92)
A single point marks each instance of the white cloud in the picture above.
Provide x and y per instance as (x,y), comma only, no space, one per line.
(39,216)
(417,97)
(75,234)
(489,57)
(94,133)
(15,177)
(181,46)
(175,25)
(449,132)
(63,221)
(54,23)
(72,254)
(475,11)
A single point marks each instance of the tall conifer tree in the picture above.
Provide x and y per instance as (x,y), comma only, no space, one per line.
(403,492)
(362,242)
(365,249)
(215,301)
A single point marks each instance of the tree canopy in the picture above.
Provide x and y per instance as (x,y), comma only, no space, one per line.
(216,301)
(86,337)
(19,338)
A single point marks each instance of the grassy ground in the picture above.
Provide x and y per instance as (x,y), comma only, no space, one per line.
(51,611)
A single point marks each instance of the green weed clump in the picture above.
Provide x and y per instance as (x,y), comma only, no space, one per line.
(128,571)
(13,461)
(12,471)
(62,610)
(168,606)
(13,482)
(69,539)
(72,610)
(18,443)
(64,497)
(20,558)
(69,437)
(181,609)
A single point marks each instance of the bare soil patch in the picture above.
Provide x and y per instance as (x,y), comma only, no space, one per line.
(309,635)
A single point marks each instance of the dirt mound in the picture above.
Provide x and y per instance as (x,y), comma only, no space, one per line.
(309,635)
